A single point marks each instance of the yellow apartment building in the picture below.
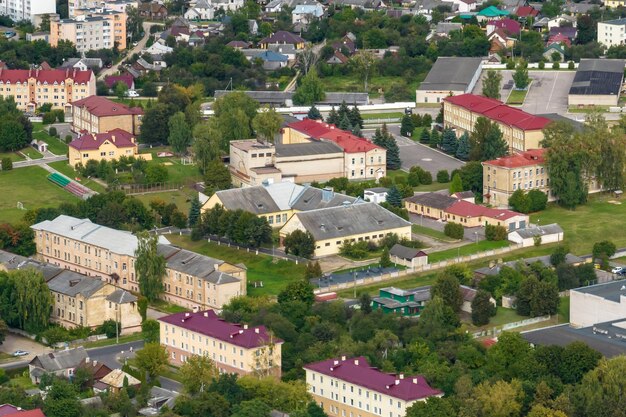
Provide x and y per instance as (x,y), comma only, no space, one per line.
(522,131)
(96,114)
(35,87)
(351,387)
(191,280)
(91,29)
(235,348)
(102,146)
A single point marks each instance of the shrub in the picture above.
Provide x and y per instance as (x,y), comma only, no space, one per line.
(426,177)
(109,328)
(52,131)
(49,118)
(570,65)
(7,164)
(556,65)
(495,233)
(542,65)
(355,250)
(68,138)
(510,64)
(538,200)
(606,247)
(443,176)
(55,334)
(453,230)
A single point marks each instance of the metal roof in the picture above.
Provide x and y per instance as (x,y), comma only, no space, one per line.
(435,200)
(121,297)
(310,148)
(72,284)
(60,360)
(451,73)
(598,77)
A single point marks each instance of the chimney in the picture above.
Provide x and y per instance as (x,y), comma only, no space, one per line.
(401,376)
(356,362)
(343,358)
(216,266)
(397,382)
(195,309)
(335,363)
(415,380)
(87,360)
(327,194)
(95,363)
(492,264)
(240,331)
(187,314)
(206,314)
(113,138)
(256,330)
(245,327)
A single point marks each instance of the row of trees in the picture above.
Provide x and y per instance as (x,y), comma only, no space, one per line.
(25,300)
(239,226)
(383,138)
(16,131)
(126,170)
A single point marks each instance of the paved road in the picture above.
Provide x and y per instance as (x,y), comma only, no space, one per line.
(40,161)
(548,92)
(471,234)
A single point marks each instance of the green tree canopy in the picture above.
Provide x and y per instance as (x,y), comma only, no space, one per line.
(149,266)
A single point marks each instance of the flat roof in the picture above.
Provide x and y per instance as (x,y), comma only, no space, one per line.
(611,291)
(451,73)
(598,77)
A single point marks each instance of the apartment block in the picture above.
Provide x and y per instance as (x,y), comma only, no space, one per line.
(96,114)
(351,387)
(191,280)
(612,32)
(91,29)
(521,131)
(27,9)
(33,88)
(235,348)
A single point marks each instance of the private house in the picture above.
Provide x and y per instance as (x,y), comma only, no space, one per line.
(559,39)
(522,131)
(160,399)
(337,59)
(491,13)
(443,29)
(96,114)
(549,233)
(509,26)
(598,82)
(346,44)
(282,38)
(494,268)
(238,44)
(33,88)
(369,392)
(304,14)
(234,348)
(191,280)
(406,303)
(153,10)
(271,60)
(82,64)
(563,21)
(463,6)
(567,31)
(350,222)
(526,12)
(367,5)
(614,4)
(114,381)
(61,363)
(551,50)
(449,76)
(102,146)
(8,410)
(111,80)
(375,195)
(97,370)
(409,257)
(202,10)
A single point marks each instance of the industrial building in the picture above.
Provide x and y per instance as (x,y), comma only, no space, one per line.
(449,76)
(598,82)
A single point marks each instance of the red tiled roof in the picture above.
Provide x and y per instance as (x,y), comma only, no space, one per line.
(118,137)
(509,25)
(45,76)
(464,208)
(523,159)
(525,11)
(101,106)
(359,372)
(8,410)
(111,80)
(346,140)
(497,111)
(209,324)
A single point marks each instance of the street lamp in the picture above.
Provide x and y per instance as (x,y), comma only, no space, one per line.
(476,237)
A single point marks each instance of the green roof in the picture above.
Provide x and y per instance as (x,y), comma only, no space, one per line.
(493,11)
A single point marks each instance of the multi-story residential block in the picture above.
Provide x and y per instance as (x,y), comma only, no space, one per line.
(191,280)
(91,29)
(102,146)
(27,9)
(521,130)
(96,114)
(235,348)
(612,32)
(33,88)
(351,387)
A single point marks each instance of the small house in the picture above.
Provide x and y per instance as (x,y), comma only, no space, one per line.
(549,233)
(272,60)
(402,302)
(40,145)
(61,363)
(376,195)
(409,257)
(113,382)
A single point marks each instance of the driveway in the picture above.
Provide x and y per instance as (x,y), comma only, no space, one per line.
(472,234)
(14,342)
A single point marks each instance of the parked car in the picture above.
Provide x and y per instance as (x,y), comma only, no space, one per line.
(617,270)
(20,353)
(132,93)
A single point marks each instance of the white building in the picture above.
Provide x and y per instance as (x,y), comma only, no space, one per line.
(612,32)
(598,304)
(376,195)
(549,233)
(26,9)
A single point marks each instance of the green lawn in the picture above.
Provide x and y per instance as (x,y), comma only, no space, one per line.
(564,310)
(392,115)
(178,173)
(434,186)
(166,307)
(592,222)
(133,337)
(274,274)
(13,155)
(31,187)
(435,234)
(55,145)
(22,381)
(182,198)
(64,168)
(517,97)
(355,84)
(469,249)
(31,152)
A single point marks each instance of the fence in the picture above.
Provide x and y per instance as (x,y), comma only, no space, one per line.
(381,121)
(418,269)
(133,189)
(508,326)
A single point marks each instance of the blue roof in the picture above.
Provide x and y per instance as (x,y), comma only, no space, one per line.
(493,11)
(271,56)
(312,9)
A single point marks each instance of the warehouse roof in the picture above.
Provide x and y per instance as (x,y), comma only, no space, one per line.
(598,77)
(451,73)
(611,291)
(310,148)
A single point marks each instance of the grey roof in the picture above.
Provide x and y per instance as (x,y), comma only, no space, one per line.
(60,360)
(447,27)
(598,77)
(548,229)
(89,62)
(348,220)
(391,303)
(555,117)
(312,198)
(309,148)
(419,293)
(336,98)
(377,189)
(405,252)
(464,194)
(10,260)
(159,397)
(615,22)
(451,73)
(72,284)
(120,296)
(611,291)
(435,200)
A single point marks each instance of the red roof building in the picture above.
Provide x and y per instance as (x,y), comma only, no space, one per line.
(96,114)
(8,410)
(102,146)
(510,26)
(319,130)
(527,11)
(111,80)
(529,158)
(282,37)
(367,389)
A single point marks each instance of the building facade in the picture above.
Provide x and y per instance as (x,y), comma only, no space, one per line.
(102,147)
(235,348)
(27,9)
(449,76)
(91,29)
(597,304)
(351,387)
(96,114)
(521,131)
(612,32)
(33,88)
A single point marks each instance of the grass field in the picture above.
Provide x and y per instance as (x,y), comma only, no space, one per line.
(469,249)
(355,84)
(178,173)
(64,168)
(182,198)
(31,152)
(435,234)
(55,145)
(30,186)
(434,186)
(517,97)
(13,155)
(592,222)
(274,274)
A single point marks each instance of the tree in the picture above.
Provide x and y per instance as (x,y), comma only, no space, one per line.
(437,320)
(313,270)
(314,114)
(267,124)
(154,125)
(4,329)
(463,148)
(500,399)
(355,117)
(454,230)
(598,393)
(425,136)
(197,373)
(217,176)
(234,113)
(482,309)
(152,359)
(300,243)
(394,197)
(604,248)
(494,146)
(120,89)
(310,91)
(149,266)
(179,133)
(251,408)
(449,142)
(150,331)
(300,290)
(538,200)
(62,400)
(520,76)
(7,164)
(443,176)
(406,126)
(385,260)
(333,117)
(559,255)
(30,300)
(344,123)
(447,287)
(363,63)
(491,84)
(194,211)
(432,407)
(456,185)
(365,302)
(519,201)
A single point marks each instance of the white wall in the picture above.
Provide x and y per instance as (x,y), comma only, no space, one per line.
(587,309)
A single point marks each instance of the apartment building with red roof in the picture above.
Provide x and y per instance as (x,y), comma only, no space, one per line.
(35,87)
(102,146)
(352,387)
(96,114)
(235,348)
(522,131)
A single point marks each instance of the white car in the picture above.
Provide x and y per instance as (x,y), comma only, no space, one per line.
(617,270)
(20,353)
(132,93)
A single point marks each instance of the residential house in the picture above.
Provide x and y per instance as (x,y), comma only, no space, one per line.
(202,10)
(406,303)
(306,13)
(346,45)
(337,59)
(158,49)
(238,44)
(562,21)
(443,29)
(522,131)
(509,26)
(612,32)
(281,38)
(614,4)
(233,347)
(495,268)
(38,36)
(153,10)
(143,67)
(553,50)
(526,12)
(253,27)
(371,392)
(114,381)
(491,13)
(375,195)
(83,64)
(102,146)
(272,60)
(112,80)
(8,410)
(567,31)
(462,6)
(96,114)
(560,39)
(93,29)
(60,363)
(549,233)
(406,256)
(449,76)
(160,399)
(367,5)
(96,370)
(33,88)
(350,222)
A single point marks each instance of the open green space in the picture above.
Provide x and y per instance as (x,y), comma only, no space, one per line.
(182,198)
(178,173)
(564,310)
(165,307)
(434,186)
(427,231)
(13,155)
(392,115)
(22,381)
(355,84)
(64,168)
(31,152)
(29,186)
(55,145)
(275,274)
(517,97)
(595,221)
(469,249)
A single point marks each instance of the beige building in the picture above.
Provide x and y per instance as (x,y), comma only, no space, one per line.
(235,348)
(522,131)
(191,280)
(91,29)
(351,387)
(449,76)
(96,114)
(356,222)
(33,88)
(102,146)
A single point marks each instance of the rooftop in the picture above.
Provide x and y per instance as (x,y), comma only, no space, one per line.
(72,283)
(310,148)
(116,377)
(52,76)
(611,291)
(59,360)
(405,252)
(283,37)
(111,80)
(598,77)
(102,106)
(91,142)
(530,157)
(451,73)
(317,129)
(436,200)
